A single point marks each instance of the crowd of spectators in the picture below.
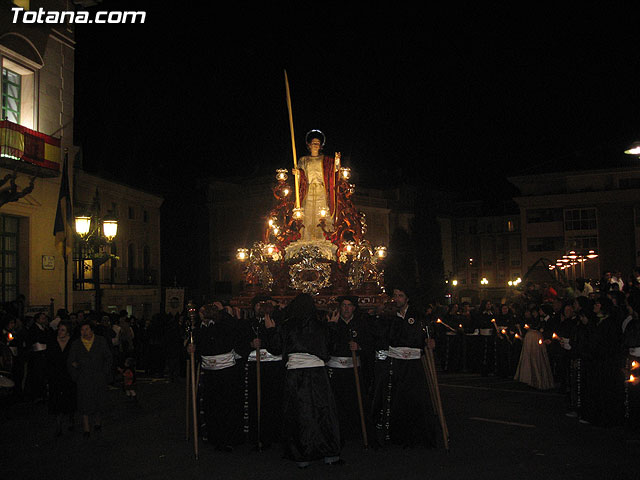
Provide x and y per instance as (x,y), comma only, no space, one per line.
(582,340)
(33,352)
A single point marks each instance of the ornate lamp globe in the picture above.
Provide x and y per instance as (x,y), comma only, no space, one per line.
(83,224)
(281,174)
(110,228)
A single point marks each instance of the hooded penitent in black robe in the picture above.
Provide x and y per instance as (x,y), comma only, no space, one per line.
(310,427)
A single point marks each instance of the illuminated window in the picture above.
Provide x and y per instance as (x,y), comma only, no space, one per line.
(11,87)
(18,94)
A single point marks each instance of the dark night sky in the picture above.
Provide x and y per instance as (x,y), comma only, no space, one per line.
(459,97)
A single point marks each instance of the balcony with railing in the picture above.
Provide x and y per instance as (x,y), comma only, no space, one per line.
(28,151)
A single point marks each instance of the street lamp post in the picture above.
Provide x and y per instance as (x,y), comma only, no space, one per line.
(96,232)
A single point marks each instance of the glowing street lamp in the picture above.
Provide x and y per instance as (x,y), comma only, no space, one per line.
(94,241)
(83,224)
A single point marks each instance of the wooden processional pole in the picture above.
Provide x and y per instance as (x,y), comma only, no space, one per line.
(193,314)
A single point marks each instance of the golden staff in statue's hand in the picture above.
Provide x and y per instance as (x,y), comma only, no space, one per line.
(296,174)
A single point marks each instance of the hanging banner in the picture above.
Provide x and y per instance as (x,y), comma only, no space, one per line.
(174,300)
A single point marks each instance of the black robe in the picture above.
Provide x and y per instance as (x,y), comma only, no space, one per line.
(272,375)
(602,403)
(343,379)
(402,408)
(221,390)
(310,427)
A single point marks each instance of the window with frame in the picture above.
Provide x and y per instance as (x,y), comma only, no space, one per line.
(8,258)
(580,219)
(18,93)
(11,90)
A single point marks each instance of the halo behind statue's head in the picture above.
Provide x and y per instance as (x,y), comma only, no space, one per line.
(311,134)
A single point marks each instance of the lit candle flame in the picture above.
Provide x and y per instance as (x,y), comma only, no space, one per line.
(540,342)
(554,336)
(493,320)
(503,331)
(526,326)
(10,337)
(460,325)
(634,364)
(517,336)
(631,379)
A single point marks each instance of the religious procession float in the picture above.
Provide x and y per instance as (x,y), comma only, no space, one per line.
(314,237)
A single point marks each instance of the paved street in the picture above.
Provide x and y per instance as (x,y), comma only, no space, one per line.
(499,429)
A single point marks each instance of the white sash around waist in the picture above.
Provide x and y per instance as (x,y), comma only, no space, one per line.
(405,353)
(341,362)
(486,332)
(38,347)
(218,362)
(265,356)
(303,360)
(382,354)
(635,351)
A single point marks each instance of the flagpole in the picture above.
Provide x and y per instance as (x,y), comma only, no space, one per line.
(66,275)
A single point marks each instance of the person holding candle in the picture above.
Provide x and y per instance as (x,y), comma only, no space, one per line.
(534,368)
